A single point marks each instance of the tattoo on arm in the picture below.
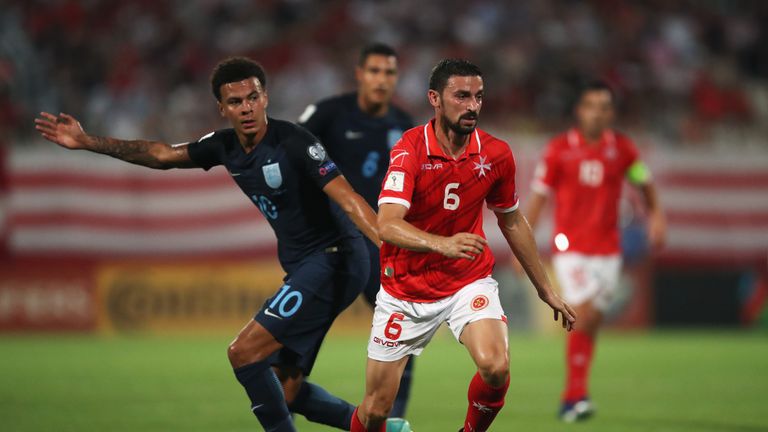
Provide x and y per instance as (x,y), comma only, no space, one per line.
(139,152)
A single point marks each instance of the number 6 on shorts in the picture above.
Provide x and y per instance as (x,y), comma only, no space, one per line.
(393,330)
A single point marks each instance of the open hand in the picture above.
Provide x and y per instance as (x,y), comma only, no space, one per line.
(63,130)
(561,308)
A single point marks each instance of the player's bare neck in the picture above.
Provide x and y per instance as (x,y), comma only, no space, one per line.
(592,138)
(250,141)
(453,144)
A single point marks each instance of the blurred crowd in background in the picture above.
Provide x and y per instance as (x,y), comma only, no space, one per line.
(685,71)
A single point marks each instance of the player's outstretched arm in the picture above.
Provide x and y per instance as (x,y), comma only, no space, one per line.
(354,206)
(394,229)
(67,132)
(518,233)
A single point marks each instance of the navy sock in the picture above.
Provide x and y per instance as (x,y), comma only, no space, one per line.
(267,398)
(401,400)
(319,406)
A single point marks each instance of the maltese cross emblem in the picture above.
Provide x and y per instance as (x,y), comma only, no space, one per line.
(482,166)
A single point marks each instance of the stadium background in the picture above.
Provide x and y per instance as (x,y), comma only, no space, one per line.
(120,286)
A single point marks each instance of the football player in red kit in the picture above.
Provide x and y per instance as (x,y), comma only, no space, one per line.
(583,170)
(436,266)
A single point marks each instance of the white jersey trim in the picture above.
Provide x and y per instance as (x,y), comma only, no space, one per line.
(426,138)
(394,200)
(505,210)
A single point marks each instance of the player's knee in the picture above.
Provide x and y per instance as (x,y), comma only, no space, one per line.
(494,369)
(234,353)
(241,353)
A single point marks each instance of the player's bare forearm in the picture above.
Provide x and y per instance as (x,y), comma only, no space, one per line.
(518,233)
(657,223)
(520,238)
(402,234)
(361,214)
(152,154)
(650,197)
(394,229)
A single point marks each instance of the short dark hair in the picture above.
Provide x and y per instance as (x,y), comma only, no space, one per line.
(447,68)
(376,48)
(595,85)
(236,69)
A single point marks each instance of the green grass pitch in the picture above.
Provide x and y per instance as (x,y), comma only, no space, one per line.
(658,381)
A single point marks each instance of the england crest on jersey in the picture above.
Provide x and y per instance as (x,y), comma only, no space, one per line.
(393,136)
(272,175)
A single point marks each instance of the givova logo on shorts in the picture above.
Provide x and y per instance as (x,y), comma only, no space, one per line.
(480,302)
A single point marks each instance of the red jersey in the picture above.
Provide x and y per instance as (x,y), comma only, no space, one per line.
(587,182)
(444,197)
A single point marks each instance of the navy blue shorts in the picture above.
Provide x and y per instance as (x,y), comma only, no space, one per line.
(314,293)
(374,279)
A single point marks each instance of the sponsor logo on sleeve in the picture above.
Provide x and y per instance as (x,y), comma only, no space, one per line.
(397,158)
(395,181)
(326,168)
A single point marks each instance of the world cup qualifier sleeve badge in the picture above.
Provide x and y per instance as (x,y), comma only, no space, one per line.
(317,152)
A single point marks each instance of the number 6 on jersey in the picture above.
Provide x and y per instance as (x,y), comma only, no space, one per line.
(451,200)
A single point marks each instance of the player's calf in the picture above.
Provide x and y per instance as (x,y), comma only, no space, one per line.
(377,407)
(485,401)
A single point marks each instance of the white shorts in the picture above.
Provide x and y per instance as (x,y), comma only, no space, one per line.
(402,328)
(588,277)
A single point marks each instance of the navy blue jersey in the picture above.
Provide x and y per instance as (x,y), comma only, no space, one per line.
(284,176)
(358,142)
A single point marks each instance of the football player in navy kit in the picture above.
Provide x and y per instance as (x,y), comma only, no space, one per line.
(359,129)
(313,210)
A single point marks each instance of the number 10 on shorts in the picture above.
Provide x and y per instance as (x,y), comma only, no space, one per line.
(286,303)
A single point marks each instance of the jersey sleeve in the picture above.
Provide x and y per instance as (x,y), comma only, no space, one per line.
(401,176)
(546,175)
(311,158)
(206,152)
(503,196)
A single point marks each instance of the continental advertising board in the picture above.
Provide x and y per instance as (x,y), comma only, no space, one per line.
(206,296)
